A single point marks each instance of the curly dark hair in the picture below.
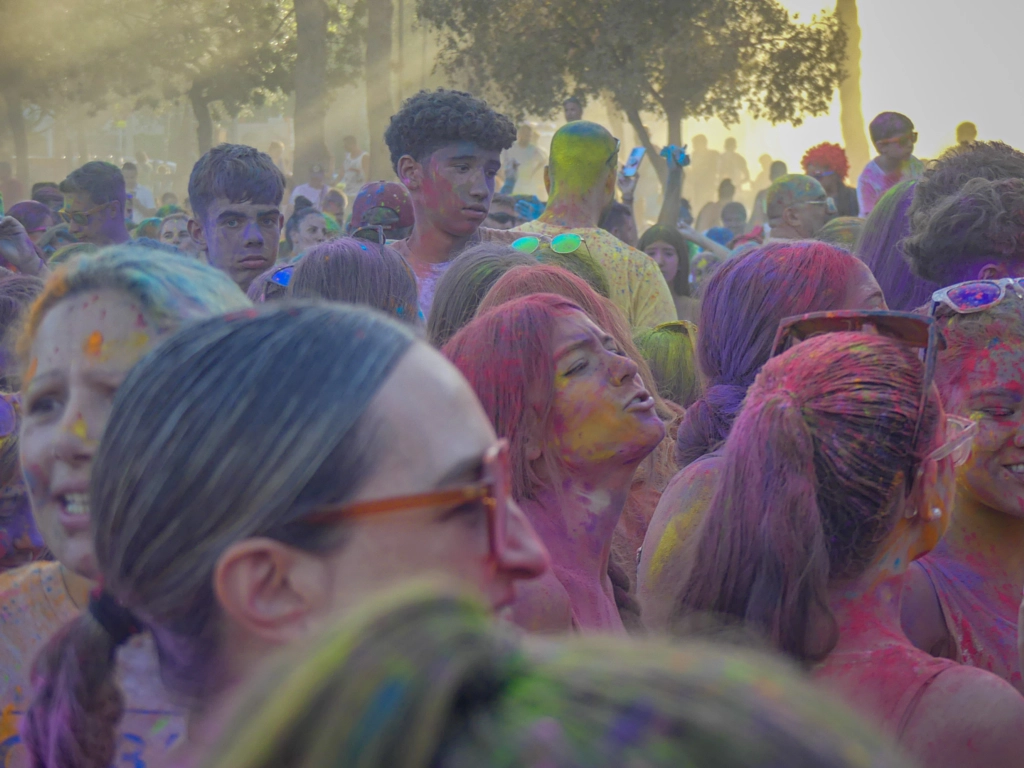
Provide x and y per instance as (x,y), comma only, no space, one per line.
(992,160)
(984,221)
(431,119)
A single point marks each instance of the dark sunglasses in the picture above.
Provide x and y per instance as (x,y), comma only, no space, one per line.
(913,330)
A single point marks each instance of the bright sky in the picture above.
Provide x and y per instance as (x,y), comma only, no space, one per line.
(938,61)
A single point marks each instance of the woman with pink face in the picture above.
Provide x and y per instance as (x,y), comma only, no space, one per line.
(96,317)
(261,473)
(579,422)
(962,599)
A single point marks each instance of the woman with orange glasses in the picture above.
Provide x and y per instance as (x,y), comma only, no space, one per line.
(270,470)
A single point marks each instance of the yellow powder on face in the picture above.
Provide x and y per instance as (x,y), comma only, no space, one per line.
(80,429)
(93,345)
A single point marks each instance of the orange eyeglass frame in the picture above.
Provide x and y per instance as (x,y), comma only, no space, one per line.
(492,490)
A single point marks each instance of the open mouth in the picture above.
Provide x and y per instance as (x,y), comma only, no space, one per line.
(642,401)
(1017,470)
(74,513)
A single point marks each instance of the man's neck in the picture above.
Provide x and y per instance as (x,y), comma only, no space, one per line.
(571,213)
(429,245)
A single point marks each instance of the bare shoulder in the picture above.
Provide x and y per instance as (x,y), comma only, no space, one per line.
(542,606)
(968,718)
(676,519)
(921,615)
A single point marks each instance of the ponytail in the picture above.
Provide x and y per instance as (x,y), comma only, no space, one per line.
(707,422)
(76,704)
(760,555)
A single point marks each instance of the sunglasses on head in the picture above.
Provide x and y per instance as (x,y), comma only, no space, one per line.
(976,295)
(568,242)
(915,331)
(614,155)
(492,491)
(372,233)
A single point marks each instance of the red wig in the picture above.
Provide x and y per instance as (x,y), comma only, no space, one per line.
(830,156)
(507,356)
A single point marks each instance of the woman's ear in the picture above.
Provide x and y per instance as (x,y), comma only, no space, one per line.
(932,499)
(271,591)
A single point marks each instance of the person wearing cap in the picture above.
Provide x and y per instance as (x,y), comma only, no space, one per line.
(798,207)
(314,190)
(383,204)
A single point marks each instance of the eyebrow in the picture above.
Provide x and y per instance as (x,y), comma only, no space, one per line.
(241,215)
(461,157)
(467,469)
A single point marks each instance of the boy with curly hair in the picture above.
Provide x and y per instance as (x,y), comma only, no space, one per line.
(828,164)
(446,148)
(894,137)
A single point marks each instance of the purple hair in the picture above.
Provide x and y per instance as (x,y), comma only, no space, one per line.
(743,304)
(880,247)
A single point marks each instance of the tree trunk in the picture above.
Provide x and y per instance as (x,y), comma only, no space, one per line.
(310,84)
(379,106)
(204,123)
(16,121)
(851,113)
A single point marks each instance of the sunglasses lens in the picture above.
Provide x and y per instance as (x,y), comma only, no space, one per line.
(976,295)
(8,418)
(527,244)
(567,243)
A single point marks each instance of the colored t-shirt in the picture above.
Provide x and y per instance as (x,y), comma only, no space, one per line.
(427,275)
(980,616)
(874,182)
(637,286)
(34,604)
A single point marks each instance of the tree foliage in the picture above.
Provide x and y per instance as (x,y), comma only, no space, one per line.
(677,58)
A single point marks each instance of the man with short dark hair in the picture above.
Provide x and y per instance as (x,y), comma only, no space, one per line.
(573,108)
(446,149)
(315,188)
(143,204)
(580,178)
(502,214)
(975,234)
(894,137)
(94,198)
(235,193)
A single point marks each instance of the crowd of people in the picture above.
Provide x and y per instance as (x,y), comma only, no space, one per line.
(452,475)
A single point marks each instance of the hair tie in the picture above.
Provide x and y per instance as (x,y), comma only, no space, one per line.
(116,620)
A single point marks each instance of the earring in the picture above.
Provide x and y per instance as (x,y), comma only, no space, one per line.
(936,513)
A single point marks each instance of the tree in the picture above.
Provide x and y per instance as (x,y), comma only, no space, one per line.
(851,113)
(379,105)
(677,58)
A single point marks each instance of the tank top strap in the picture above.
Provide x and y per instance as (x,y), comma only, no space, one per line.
(914,694)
